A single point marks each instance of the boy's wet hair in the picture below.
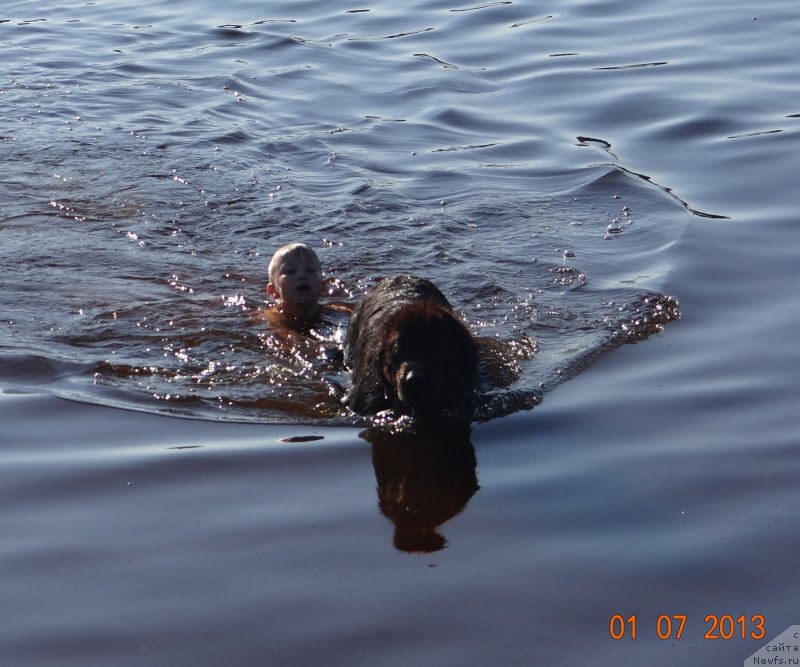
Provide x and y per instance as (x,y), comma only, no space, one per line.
(288,250)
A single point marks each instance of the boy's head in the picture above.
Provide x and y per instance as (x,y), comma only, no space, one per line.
(295,275)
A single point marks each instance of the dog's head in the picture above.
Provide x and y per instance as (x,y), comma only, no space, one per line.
(428,360)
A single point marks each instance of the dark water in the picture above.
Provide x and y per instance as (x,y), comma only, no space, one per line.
(134,253)
(556,170)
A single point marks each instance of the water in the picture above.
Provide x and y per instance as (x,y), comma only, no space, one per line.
(556,170)
(171,248)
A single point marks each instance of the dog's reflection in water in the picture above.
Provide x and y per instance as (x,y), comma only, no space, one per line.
(425,477)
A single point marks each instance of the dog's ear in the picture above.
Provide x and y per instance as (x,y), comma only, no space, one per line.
(373,391)
(384,365)
(364,398)
(456,364)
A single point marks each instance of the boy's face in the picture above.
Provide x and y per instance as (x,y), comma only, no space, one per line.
(297,279)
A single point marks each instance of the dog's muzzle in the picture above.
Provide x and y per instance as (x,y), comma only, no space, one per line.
(412,385)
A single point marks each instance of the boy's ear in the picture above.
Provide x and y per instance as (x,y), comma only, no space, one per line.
(271,291)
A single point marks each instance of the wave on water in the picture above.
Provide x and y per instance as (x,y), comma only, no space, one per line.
(146,192)
(115,306)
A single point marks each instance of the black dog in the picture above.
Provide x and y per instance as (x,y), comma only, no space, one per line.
(409,352)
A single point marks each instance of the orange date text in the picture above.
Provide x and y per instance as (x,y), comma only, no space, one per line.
(672,626)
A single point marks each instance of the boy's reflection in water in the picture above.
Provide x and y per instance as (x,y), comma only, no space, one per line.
(425,477)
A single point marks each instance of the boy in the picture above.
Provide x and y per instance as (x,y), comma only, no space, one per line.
(295,282)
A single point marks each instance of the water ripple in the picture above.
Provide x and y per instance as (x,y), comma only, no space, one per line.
(183,153)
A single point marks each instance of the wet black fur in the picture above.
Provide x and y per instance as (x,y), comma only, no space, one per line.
(408,351)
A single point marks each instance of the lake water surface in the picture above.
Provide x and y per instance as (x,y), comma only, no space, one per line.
(566,173)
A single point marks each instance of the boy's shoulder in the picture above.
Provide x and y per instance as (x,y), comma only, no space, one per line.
(270,314)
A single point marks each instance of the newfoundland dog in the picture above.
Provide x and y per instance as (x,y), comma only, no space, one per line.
(409,352)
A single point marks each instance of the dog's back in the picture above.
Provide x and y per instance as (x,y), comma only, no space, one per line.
(408,351)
